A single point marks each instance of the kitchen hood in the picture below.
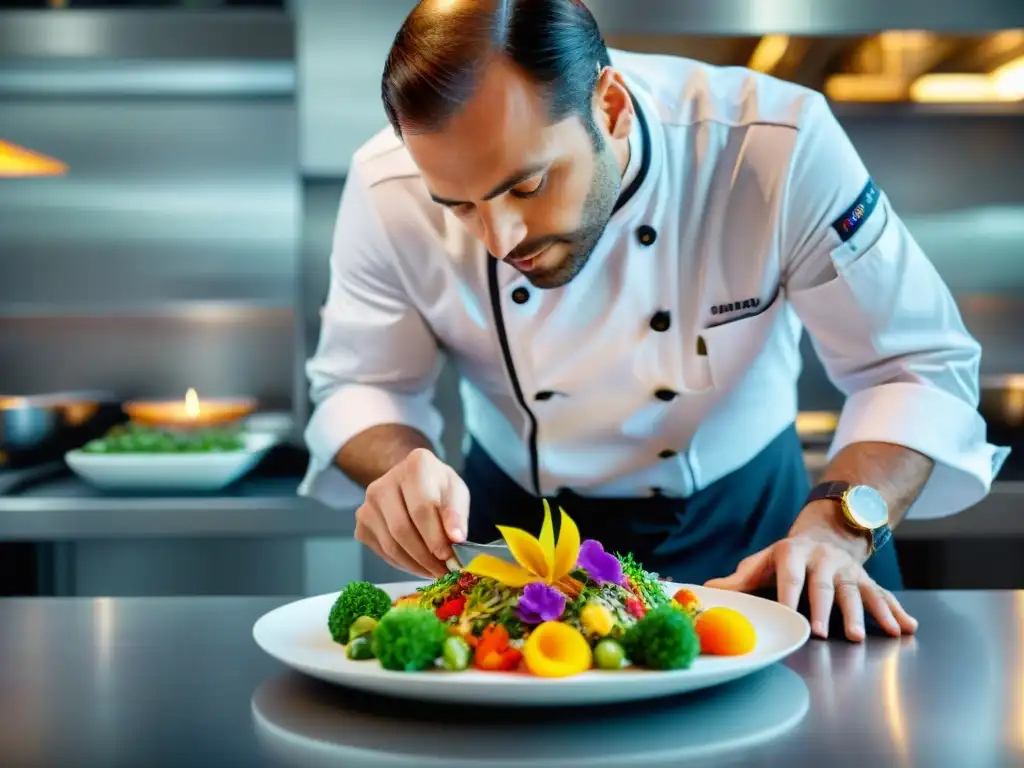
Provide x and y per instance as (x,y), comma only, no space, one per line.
(19,163)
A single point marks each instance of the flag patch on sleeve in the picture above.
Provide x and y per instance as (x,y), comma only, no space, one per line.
(846,226)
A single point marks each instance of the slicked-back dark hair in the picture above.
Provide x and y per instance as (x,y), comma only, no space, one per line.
(438,56)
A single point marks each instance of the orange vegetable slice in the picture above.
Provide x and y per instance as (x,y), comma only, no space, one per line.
(725,632)
(493,640)
(554,649)
(686,598)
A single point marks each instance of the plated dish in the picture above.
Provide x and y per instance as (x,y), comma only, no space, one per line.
(567,623)
(564,607)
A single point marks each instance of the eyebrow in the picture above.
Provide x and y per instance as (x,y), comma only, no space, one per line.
(517,178)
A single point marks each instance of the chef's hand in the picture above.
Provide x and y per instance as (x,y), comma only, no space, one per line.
(413,513)
(833,571)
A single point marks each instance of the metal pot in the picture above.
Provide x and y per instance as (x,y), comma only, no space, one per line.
(40,428)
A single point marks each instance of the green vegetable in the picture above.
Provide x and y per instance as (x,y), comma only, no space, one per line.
(488,602)
(134,438)
(364,625)
(647,584)
(609,654)
(360,649)
(437,591)
(360,598)
(408,639)
(456,653)
(664,638)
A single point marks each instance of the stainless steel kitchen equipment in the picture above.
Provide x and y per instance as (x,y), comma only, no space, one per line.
(35,429)
(467,550)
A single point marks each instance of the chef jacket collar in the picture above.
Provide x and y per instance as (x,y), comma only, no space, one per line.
(633,182)
(636,155)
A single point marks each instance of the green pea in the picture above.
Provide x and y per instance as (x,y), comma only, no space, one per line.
(364,625)
(455,653)
(359,649)
(609,654)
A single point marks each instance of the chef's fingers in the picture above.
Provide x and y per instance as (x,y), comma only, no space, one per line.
(423,535)
(455,507)
(366,537)
(878,606)
(821,590)
(399,560)
(908,624)
(847,584)
(400,525)
(371,516)
(790,571)
(751,573)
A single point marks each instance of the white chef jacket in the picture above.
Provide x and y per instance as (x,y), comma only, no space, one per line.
(672,358)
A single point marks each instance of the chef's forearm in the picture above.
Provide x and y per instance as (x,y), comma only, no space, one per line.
(374,451)
(898,473)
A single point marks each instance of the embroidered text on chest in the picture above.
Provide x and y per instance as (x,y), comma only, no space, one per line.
(722,309)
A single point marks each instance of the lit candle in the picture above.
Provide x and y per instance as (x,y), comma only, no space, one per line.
(190,413)
(192,404)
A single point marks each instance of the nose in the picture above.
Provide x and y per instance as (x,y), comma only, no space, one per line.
(502,231)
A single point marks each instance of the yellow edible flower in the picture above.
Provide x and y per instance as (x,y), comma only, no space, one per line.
(539,559)
(597,619)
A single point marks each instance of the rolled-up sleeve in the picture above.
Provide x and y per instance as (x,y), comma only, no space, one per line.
(376,361)
(881,319)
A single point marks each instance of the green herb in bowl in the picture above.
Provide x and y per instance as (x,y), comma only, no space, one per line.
(135,439)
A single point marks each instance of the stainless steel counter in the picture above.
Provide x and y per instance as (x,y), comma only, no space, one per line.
(66,509)
(179,681)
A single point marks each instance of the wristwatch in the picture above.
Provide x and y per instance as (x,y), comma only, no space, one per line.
(864,510)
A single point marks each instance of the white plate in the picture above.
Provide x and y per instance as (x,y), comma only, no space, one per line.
(297,635)
(169,471)
(303,727)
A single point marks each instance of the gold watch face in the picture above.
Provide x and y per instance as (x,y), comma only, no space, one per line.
(867,507)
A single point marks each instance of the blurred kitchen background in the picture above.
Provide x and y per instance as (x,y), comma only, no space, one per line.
(189,157)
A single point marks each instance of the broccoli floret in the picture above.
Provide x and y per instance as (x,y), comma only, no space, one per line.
(408,639)
(664,638)
(360,598)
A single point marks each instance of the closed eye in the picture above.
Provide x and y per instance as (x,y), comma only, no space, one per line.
(530,188)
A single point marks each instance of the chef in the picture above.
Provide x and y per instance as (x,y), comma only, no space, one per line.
(619,253)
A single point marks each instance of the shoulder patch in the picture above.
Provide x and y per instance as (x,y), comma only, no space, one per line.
(846,226)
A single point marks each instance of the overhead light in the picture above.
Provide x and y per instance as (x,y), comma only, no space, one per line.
(952,88)
(18,162)
(866,88)
(1005,83)
(1008,80)
(768,53)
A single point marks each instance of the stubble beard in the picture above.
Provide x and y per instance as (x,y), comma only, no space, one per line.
(597,212)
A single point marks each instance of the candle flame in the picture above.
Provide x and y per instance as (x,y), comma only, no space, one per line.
(192,404)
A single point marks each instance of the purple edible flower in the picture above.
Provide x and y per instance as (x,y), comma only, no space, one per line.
(540,603)
(601,566)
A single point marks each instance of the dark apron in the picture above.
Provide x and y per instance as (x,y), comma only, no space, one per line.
(687,540)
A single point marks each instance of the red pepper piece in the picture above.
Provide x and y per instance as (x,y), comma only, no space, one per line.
(450,608)
(635,607)
(510,659)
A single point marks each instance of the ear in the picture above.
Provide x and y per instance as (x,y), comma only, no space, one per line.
(613,107)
